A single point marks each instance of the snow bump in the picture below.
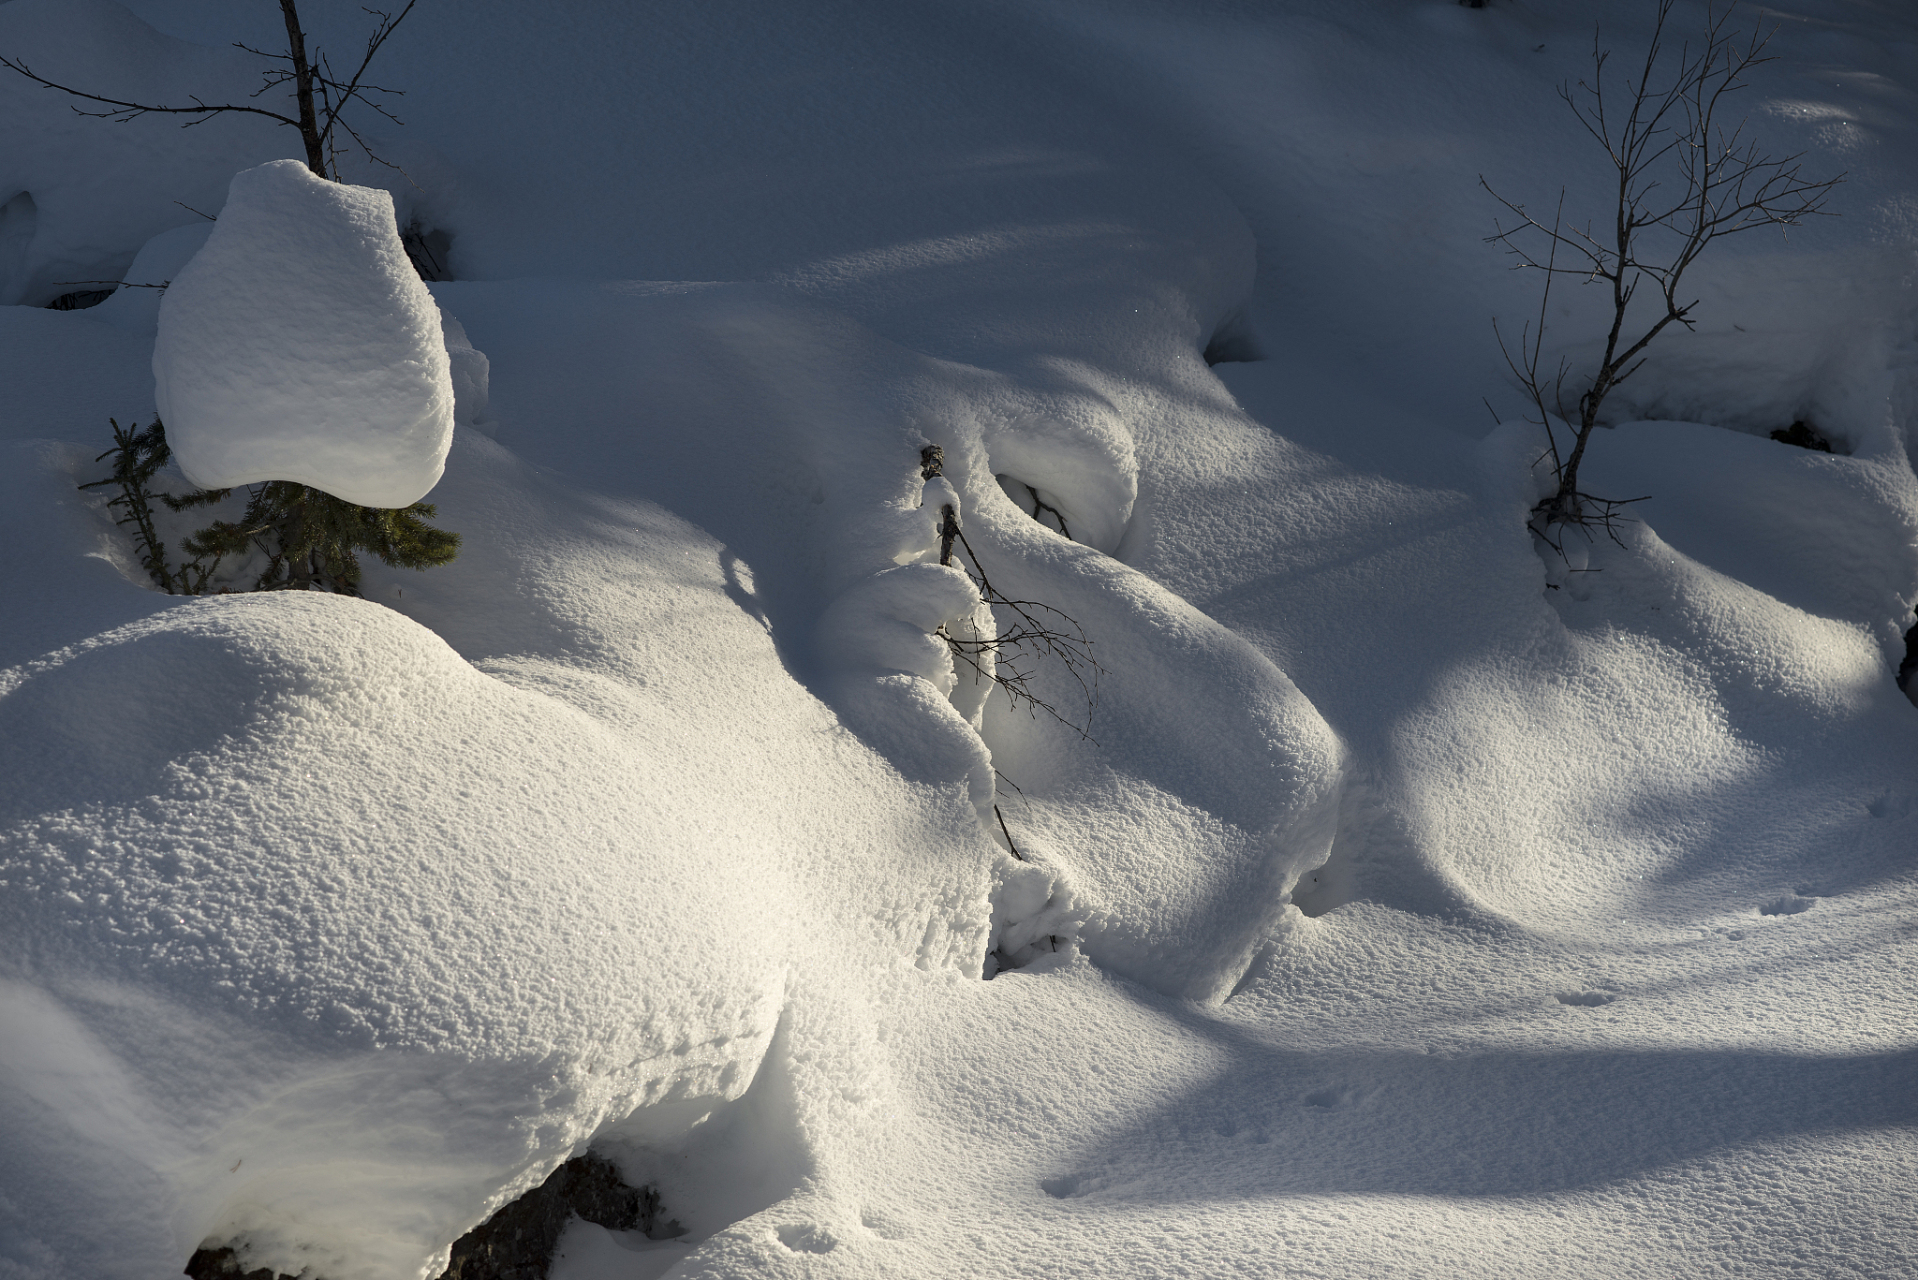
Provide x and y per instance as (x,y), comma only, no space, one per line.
(301,345)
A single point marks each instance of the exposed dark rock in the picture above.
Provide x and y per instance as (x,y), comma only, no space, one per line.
(224,1264)
(1804,435)
(517,1242)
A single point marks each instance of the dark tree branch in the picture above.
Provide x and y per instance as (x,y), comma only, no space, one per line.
(315,123)
(352,88)
(125,111)
(1720,183)
(1039,505)
(1030,637)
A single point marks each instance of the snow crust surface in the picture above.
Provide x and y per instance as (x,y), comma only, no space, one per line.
(1412,901)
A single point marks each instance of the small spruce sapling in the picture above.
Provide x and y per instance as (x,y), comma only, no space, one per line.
(137,457)
(311,539)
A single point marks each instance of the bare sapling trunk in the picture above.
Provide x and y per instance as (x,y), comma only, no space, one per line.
(319,97)
(1683,174)
(310,134)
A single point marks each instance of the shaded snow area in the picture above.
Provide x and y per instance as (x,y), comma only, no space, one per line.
(1413,902)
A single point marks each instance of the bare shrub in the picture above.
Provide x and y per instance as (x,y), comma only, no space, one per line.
(1686,173)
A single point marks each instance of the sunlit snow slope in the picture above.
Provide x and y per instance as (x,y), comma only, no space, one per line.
(1414,901)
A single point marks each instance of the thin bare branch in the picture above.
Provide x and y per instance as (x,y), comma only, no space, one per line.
(1023,636)
(352,88)
(1670,137)
(304,74)
(124,111)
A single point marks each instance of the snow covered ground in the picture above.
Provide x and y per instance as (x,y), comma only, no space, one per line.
(1416,906)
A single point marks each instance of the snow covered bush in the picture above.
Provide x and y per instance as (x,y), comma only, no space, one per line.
(301,345)
(299,352)
(297,349)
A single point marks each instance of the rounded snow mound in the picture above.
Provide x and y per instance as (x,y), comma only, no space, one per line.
(300,344)
(322,939)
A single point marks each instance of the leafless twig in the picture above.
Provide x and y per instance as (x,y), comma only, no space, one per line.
(316,125)
(118,284)
(1028,631)
(1686,174)
(1039,505)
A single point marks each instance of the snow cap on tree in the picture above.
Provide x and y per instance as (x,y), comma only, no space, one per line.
(301,345)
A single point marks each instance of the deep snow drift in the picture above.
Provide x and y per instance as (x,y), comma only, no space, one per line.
(1410,902)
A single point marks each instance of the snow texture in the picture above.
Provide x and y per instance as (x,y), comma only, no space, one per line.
(1412,901)
(299,344)
(135,306)
(470,370)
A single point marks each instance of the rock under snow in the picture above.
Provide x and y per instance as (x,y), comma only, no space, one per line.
(300,344)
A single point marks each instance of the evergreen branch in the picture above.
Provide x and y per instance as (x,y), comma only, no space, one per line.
(310,538)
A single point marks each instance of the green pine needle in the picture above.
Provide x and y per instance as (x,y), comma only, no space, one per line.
(311,538)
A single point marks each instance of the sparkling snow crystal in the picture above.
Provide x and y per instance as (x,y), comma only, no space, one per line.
(300,345)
